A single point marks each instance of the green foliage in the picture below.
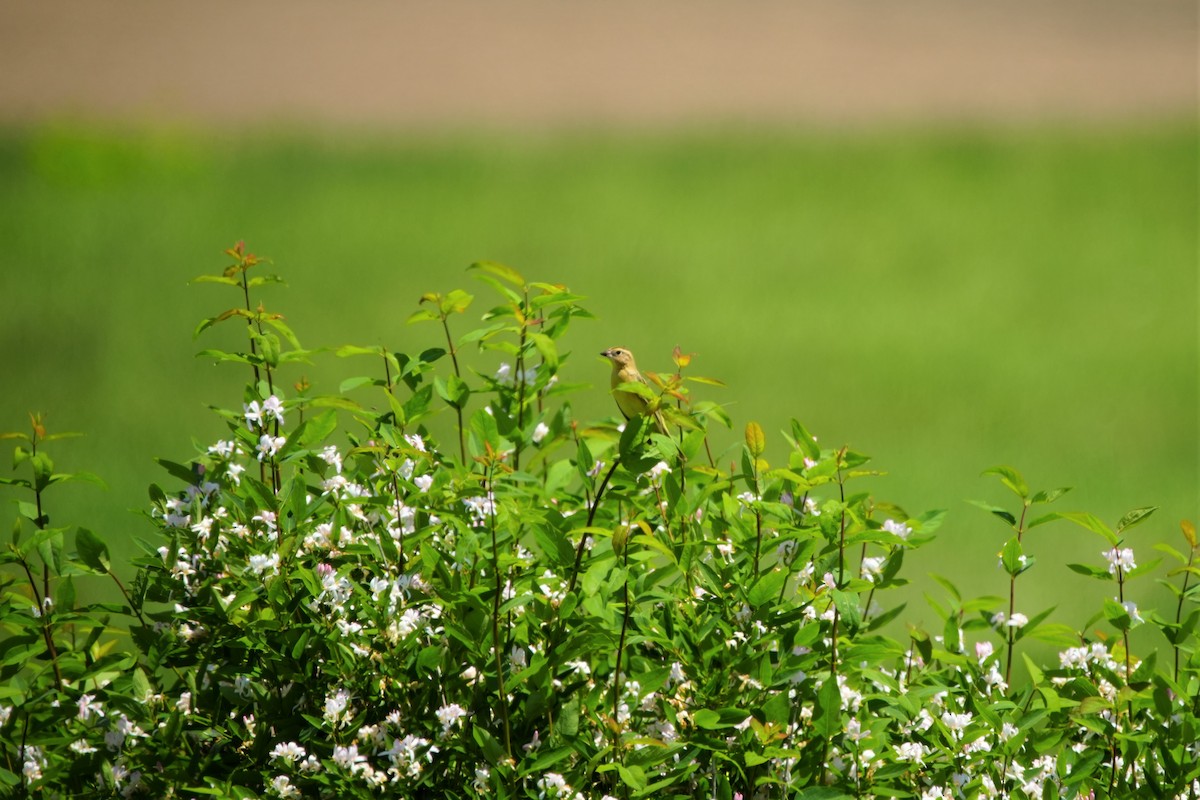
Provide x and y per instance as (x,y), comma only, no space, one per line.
(337,604)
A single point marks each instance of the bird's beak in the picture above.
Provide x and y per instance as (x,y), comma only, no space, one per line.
(607,354)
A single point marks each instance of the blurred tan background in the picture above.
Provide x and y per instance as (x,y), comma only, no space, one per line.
(533,63)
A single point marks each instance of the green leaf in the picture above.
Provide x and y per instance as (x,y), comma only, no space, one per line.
(455,302)
(316,429)
(1050,496)
(422,315)
(484,431)
(1092,523)
(1010,478)
(1116,614)
(453,390)
(500,271)
(1011,557)
(996,510)
(766,588)
(92,550)
(756,440)
(827,715)
(86,477)
(805,441)
(546,347)
(179,471)
(633,776)
(821,793)
(1135,517)
(1090,571)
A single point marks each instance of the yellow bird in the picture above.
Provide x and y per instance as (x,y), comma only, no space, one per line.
(624,370)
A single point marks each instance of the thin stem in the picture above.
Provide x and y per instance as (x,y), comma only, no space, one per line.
(42,607)
(842,524)
(621,641)
(1179,608)
(757,515)
(1012,602)
(502,697)
(462,442)
(521,380)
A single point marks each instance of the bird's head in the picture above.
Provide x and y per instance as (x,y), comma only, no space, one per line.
(619,356)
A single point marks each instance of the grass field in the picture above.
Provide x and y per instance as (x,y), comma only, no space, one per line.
(944,301)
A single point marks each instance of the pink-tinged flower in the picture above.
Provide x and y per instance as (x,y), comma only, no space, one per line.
(983,651)
(88,706)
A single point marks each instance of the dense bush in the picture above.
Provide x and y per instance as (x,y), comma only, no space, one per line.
(341,605)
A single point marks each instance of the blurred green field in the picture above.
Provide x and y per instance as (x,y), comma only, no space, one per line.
(942,300)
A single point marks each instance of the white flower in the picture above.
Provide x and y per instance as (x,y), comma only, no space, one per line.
(449,715)
(253,413)
(553,785)
(423,482)
(273,406)
(910,751)
(337,706)
(332,457)
(282,786)
(223,448)
(288,751)
(897,528)
(956,723)
(269,446)
(349,758)
(872,567)
(540,432)
(1119,559)
(983,650)
(89,706)
(1018,620)
(659,469)
(518,658)
(416,442)
(259,564)
(1132,610)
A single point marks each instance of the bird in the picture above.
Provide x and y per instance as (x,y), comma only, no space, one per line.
(624,370)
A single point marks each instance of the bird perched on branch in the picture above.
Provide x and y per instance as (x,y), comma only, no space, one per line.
(624,370)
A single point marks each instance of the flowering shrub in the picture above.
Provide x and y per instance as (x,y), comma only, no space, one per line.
(539,607)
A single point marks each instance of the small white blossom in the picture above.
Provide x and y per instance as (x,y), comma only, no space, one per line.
(449,716)
(269,446)
(288,751)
